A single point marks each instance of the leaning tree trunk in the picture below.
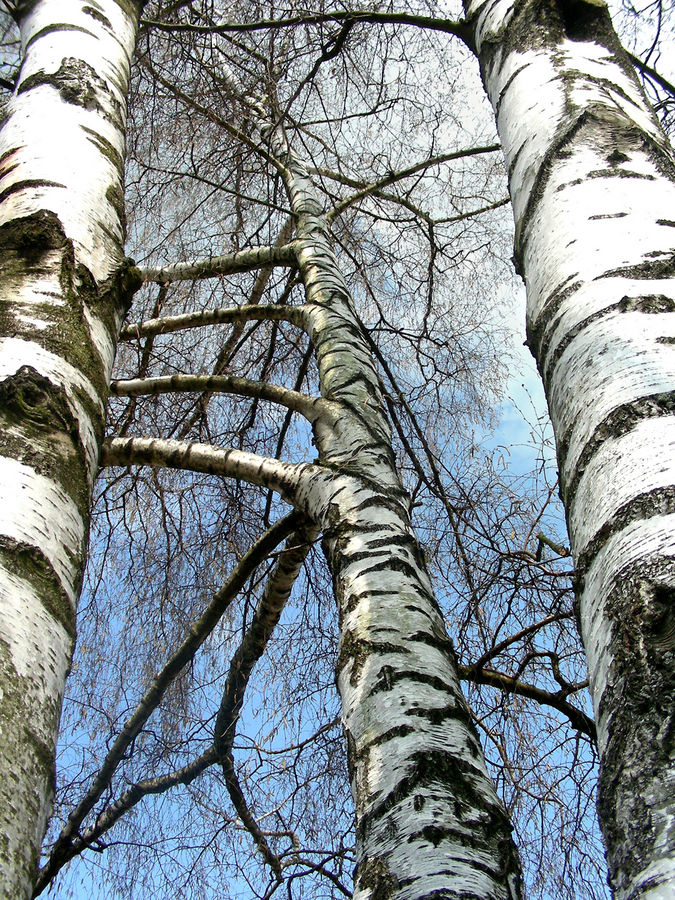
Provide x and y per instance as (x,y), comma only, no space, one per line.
(592,181)
(428,820)
(63,287)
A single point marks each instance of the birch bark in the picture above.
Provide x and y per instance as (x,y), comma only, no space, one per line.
(592,182)
(428,821)
(64,283)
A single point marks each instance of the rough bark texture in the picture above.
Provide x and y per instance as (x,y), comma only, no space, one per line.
(592,181)
(63,284)
(428,821)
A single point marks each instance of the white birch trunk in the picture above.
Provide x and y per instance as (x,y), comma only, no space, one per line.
(63,286)
(592,181)
(428,820)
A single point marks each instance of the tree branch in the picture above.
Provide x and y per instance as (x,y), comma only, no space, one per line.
(68,844)
(185,775)
(514,638)
(283,477)
(242,261)
(393,177)
(169,324)
(252,647)
(310,407)
(653,74)
(511,685)
(366,17)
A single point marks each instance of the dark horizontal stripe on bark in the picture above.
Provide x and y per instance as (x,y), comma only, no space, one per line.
(422,611)
(436,715)
(342,336)
(359,650)
(345,527)
(28,562)
(646,303)
(611,173)
(391,497)
(359,596)
(445,769)
(51,29)
(26,184)
(650,269)
(602,216)
(345,363)
(440,641)
(433,681)
(391,734)
(659,502)
(589,128)
(620,422)
(450,894)
(78,84)
(398,540)
(399,566)
(434,834)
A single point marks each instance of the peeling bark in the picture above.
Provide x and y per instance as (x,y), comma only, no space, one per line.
(592,180)
(64,286)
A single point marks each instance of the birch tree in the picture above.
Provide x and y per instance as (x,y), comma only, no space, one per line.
(591,179)
(64,286)
(311,278)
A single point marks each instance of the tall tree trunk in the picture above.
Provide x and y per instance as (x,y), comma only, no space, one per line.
(592,181)
(64,284)
(428,820)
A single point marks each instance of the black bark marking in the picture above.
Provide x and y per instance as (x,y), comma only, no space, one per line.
(373,875)
(437,715)
(420,677)
(75,80)
(652,269)
(639,707)
(620,422)
(98,15)
(51,29)
(659,502)
(43,432)
(619,215)
(28,395)
(650,304)
(358,651)
(430,767)
(27,561)
(104,147)
(32,236)
(26,184)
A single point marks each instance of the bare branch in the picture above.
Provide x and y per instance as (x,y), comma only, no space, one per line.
(68,844)
(185,775)
(652,74)
(310,407)
(283,477)
(205,317)
(367,17)
(242,261)
(393,177)
(512,685)
(266,617)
